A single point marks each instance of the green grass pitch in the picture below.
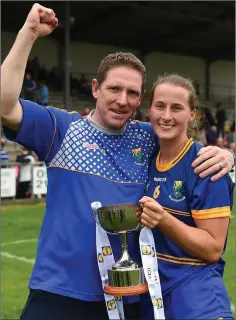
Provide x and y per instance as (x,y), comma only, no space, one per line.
(23,223)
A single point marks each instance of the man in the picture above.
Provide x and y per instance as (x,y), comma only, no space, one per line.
(85,112)
(26,159)
(29,87)
(221,118)
(42,93)
(103,157)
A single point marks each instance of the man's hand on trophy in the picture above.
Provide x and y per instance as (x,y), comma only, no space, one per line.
(153,213)
(41,21)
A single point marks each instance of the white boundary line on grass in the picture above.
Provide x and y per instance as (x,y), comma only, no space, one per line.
(12,256)
(19,241)
(32,261)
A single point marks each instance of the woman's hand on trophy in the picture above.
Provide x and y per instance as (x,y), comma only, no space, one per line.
(139,211)
(153,213)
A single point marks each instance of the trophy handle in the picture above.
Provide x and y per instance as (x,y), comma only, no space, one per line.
(95,206)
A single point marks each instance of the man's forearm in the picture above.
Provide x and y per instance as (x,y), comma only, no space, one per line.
(197,242)
(13,69)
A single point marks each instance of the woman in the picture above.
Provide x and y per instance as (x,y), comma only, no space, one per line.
(189,215)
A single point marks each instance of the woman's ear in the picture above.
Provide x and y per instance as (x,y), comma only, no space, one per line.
(193,115)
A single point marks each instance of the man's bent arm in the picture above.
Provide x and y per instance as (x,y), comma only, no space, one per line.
(41,21)
(12,75)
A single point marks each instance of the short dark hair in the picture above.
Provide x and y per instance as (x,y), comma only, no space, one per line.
(118,59)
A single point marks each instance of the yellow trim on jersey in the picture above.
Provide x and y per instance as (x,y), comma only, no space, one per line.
(72,112)
(64,110)
(178,260)
(181,213)
(167,166)
(220,212)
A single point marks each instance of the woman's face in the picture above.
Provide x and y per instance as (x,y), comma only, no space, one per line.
(170,112)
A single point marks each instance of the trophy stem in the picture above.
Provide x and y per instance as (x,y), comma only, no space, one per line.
(125,259)
(126,277)
(124,241)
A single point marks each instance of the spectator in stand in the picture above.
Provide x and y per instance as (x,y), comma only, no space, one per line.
(84,86)
(29,87)
(43,73)
(33,67)
(220,142)
(210,127)
(231,137)
(196,87)
(201,135)
(4,153)
(221,117)
(85,112)
(42,93)
(55,78)
(25,159)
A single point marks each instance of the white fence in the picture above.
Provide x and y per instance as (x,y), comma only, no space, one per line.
(39,179)
(9,178)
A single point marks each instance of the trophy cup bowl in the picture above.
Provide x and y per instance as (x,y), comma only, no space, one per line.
(126,276)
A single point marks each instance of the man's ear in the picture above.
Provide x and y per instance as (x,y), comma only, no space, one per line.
(143,95)
(95,88)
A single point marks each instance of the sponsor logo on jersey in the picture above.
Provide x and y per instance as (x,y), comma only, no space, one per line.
(111,304)
(159,179)
(92,146)
(106,251)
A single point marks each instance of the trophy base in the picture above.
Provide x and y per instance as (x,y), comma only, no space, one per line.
(126,281)
(126,291)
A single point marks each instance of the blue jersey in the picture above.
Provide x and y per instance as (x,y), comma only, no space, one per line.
(187,197)
(84,165)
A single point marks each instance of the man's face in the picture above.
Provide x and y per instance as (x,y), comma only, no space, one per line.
(117,97)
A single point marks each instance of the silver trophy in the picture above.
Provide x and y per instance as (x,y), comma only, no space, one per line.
(126,276)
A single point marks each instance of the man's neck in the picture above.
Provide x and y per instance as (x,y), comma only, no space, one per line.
(96,125)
